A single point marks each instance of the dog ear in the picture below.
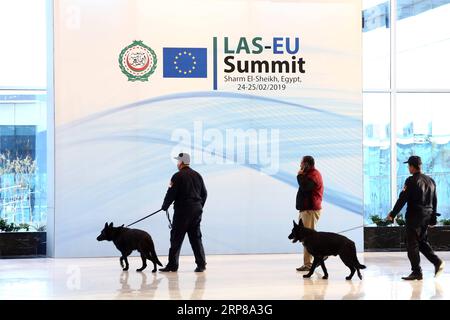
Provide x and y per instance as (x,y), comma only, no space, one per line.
(300,223)
(295,223)
(111,225)
(106,224)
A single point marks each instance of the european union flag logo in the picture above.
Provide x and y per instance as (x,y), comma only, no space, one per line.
(184,63)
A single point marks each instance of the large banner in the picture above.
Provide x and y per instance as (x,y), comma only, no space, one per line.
(246,87)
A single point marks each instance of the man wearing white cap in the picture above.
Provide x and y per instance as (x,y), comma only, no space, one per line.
(188,192)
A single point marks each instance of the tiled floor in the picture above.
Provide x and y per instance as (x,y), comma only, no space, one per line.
(227,277)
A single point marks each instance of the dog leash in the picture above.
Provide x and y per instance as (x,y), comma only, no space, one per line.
(152,214)
(354,228)
(358,227)
(367,225)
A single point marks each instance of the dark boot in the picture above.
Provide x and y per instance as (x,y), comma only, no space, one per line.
(413,276)
(168,269)
(439,268)
(200,269)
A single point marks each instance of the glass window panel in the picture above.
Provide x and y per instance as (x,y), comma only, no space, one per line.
(23,159)
(423,130)
(23,48)
(423,44)
(376,45)
(376,118)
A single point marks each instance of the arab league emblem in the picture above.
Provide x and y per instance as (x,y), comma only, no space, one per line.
(137,61)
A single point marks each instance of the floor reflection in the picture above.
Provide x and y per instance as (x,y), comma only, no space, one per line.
(314,288)
(174,286)
(438,291)
(432,287)
(229,277)
(356,290)
(146,290)
(417,288)
(199,287)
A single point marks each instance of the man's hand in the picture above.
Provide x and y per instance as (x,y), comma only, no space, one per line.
(302,169)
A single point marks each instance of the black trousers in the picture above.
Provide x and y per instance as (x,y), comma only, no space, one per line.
(417,241)
(186,221)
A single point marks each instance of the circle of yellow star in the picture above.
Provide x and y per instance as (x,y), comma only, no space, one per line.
(189,70)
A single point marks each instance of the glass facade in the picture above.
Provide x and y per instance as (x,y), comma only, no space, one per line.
(376,148)
(423,130)
(23,62)
(423,44)
(406,87)
(23,159)
(23,116)
(376,45)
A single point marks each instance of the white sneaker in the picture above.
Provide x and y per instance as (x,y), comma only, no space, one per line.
(303,268)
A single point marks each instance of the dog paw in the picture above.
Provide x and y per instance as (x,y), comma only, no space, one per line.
(154,270)
(306,276)
(325,277)
(348,278)
(139,270)
(125,269)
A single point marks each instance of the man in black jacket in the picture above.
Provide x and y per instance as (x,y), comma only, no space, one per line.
(188,192)
(419,193)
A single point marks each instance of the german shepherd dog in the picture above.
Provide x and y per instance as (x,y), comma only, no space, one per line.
(323,244)
(126,240)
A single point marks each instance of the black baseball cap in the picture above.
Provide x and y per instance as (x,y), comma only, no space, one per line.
(415,161)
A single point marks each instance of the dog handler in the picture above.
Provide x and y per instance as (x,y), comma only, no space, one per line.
(188,193)
(309,201)
(419,193)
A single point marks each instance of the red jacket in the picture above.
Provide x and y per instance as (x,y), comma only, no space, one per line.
(310,191)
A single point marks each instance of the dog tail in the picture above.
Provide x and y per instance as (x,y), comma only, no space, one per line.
(357,264)
(153,254)
(158,262)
